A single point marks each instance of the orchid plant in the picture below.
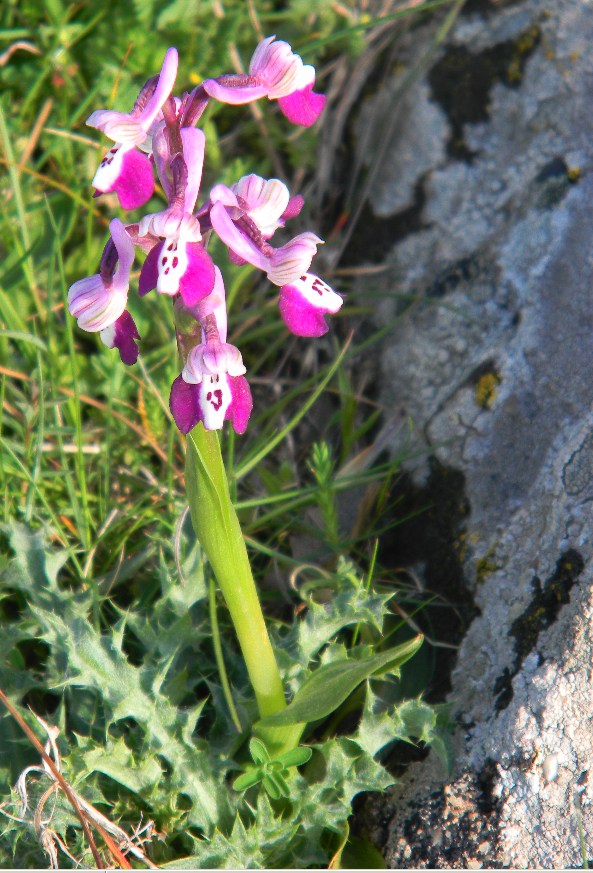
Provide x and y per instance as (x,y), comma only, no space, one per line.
(160,134)
(161,131)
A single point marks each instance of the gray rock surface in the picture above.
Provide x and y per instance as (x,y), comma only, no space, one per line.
(494,364)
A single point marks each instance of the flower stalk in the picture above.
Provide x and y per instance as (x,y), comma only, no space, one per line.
(217,527)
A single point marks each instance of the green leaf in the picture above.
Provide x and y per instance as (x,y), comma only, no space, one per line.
(360,854)
(275,786)
(246,780)
(430,725)
(351,604)
(258,751)
(25,337)
(117,761)
(331,684)
(295,757)
(190,862)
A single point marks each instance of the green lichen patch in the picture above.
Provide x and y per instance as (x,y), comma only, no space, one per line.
(486,565)
(486,389)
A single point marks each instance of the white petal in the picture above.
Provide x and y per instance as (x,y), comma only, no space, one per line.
(172,265)
(215,399)
(318,293)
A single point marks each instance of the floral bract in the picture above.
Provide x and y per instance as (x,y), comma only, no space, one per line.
(160,133)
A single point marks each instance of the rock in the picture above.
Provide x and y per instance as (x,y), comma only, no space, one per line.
(494,364)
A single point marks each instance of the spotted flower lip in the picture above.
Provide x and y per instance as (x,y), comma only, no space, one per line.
(128,173)
(275,72)
(97,302)
(215,400)
(304,303)
(178,267)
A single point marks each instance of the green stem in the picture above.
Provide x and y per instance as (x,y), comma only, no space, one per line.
(217,527)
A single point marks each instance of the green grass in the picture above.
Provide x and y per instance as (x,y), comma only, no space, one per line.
(91,460)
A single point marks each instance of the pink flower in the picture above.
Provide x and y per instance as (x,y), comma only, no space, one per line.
(98,301)
(215,400)
(125,170)
(131,128)
(281,265)
(277,73)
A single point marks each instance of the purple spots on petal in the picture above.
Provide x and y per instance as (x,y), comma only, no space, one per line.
(300,316)
(215,398)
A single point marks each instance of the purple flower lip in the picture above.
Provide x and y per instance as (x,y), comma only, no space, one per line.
(304,303)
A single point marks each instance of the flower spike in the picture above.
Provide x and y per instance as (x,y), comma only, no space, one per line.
(160,134)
